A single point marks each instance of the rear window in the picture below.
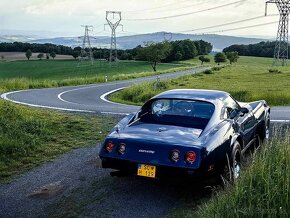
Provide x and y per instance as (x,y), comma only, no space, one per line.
(179,112)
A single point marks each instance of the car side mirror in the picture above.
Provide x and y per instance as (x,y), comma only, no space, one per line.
(244,111)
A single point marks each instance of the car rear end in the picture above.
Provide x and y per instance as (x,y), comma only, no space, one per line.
(149,159)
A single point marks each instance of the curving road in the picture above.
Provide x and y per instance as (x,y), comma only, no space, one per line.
(92,98)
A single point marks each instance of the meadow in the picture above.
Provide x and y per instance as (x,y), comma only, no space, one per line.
(55,73)
(249,79)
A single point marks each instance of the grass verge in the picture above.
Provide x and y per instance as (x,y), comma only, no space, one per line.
(262,191)
(249,80)
(28,137)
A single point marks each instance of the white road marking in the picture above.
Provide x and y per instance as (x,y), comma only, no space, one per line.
(280,121)
(59,96)
(103,97)
(4,96)
(113,113)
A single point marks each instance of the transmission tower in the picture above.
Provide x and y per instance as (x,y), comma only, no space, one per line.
(167,36)
(113,18)
(86,52)
(281,48)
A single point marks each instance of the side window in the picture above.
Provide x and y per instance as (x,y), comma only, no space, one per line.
(231,107)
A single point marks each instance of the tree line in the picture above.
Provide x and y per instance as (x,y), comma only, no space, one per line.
(262,49)
(178,50)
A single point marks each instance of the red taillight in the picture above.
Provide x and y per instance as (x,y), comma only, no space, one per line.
(109,147)
(122,148)
(190,157)
(175,155)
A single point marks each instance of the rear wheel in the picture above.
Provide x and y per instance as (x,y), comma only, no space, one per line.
(233,167)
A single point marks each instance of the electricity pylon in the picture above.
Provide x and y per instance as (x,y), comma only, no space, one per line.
(86,52)
(167,36)
(281,47)
(114,23)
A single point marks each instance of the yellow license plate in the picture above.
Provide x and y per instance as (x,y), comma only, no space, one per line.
(146,170)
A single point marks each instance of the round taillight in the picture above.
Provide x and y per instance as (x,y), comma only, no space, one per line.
(109,147)
(175,155)
(122,148)
(190,157)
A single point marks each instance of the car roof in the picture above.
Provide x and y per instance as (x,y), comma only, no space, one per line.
(194,94)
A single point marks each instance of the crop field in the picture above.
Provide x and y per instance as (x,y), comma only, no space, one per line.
(14,56)
(64,69)
(53,73)
(250,79)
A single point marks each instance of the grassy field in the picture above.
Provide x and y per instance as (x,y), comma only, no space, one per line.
(28,136)
(248,80)
(13,56)
(262,191)
(48,73)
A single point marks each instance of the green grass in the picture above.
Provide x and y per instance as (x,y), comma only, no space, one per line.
(263,190)
(248,80)
(53,73)
(28,136)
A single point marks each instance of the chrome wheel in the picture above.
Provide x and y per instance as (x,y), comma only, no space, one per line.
(236,169)
(267,131)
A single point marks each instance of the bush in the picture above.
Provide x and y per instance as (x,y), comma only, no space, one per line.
(274,71)
(208,72)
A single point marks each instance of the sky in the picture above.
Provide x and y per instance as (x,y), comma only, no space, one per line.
(64,18)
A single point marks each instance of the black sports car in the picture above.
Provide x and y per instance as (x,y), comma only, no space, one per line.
(186,132)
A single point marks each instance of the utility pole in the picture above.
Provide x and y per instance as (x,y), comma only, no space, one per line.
(86,44)
(167,36)
(113,23)
(281,47)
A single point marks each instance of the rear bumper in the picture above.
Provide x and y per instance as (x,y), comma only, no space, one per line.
(161,171)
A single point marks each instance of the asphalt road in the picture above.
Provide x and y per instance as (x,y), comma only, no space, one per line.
(92,98)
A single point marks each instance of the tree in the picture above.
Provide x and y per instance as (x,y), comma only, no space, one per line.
(178,56)
(155,52)
(28,54)
(40,56)
(220,58)
(75,54)
(203,59)
(52,54)
(232,56)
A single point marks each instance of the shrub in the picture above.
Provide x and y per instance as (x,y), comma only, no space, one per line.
(207,72)
(274,71)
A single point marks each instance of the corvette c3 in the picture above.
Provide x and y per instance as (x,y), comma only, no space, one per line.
(186,132)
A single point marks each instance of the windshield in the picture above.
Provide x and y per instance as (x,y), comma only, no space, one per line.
(187,113)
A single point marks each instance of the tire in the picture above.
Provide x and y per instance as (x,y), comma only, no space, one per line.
(233,166)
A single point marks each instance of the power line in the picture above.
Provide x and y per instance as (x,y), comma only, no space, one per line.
(240,28)
(186,14)
(177,8)
(225,24)
(154,8)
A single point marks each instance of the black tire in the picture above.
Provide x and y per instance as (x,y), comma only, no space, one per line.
(233,166)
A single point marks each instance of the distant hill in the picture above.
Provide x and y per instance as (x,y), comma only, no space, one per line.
(127,42)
